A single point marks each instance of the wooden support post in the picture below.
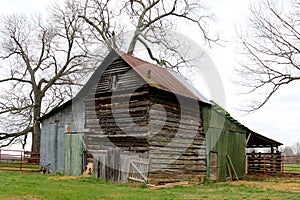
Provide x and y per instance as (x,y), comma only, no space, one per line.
(229,171)
(230,162)
(21,161)
(272,149)
(272,158)
(248,138)
(264,164)
(247,164)
(246,160)
(282,164)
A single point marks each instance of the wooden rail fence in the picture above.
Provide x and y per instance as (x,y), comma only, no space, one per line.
(17,160)
(273,163)
(264,163)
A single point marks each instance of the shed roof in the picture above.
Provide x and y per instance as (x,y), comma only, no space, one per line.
(255,140)
(56,109)
(259,141)
(163,78)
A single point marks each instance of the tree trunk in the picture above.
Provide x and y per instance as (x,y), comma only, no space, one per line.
(133,42)
(36,134)
(36,137)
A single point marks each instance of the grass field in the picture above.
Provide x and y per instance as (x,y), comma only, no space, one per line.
(16,166)
(16,185)
(292,167)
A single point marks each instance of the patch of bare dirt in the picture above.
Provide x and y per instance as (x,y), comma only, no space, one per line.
(280,184)
(31,197)
(64,177)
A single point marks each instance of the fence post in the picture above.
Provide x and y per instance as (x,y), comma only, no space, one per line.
(282,164)
(264,163)
(21,161)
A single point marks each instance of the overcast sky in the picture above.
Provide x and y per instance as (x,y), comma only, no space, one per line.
(279,119)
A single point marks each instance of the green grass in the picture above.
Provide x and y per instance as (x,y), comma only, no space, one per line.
(292,168)
(16,185)
(16,166)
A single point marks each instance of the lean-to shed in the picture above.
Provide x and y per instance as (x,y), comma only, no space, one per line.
(225,141)
(133,116)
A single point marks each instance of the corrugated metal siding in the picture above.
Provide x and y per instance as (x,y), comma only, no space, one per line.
(51,151)
(53,131)
(237,151)
(73,149)
(226,138)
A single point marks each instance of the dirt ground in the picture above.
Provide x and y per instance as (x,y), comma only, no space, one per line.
(64,177)
(277,183)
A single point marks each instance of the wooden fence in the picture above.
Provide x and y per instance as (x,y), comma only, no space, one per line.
(16,160)
(273,163)
(118,166)
(264,162)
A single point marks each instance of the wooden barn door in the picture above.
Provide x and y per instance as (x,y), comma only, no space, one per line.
(73,154)
(118,166)
(213,166)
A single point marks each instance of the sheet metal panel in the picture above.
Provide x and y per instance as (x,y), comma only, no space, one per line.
(163,78)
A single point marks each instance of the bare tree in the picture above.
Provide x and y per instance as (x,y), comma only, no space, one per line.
(287,150)
(44,59)
(150,22)
(296,148)
(41,61)
(271,45)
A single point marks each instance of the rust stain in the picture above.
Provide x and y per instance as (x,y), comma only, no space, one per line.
(157,76)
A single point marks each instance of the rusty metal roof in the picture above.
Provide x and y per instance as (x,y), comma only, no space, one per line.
(162,78)
(154,75)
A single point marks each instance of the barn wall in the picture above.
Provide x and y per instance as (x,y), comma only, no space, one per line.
(78,115)
(53,131)
(116,114)
(226,138)
(176,147)
(176,139)
(117,117)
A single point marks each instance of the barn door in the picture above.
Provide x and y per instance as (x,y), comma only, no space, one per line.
(213,166)
(73,154)
(118,166)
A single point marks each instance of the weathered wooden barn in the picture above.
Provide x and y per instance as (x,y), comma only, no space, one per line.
(135,120)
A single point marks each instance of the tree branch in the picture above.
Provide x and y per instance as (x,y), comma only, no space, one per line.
(5,136)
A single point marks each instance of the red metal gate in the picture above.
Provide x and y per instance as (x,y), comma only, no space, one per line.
(273,163)
(17,160)
(264,163)
(291,164)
